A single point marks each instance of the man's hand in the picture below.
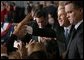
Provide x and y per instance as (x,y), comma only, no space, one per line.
(33,46)
(22,23)
(20,31)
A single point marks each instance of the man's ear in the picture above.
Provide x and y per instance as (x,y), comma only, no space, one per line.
(81,10)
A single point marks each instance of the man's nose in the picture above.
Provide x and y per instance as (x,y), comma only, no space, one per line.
(67,16)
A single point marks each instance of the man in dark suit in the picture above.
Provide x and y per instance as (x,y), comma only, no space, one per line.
(67,27)
(74,10)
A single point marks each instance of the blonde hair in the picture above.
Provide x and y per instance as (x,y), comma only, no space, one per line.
(61,5)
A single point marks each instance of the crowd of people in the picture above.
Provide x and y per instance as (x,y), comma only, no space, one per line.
(46,31)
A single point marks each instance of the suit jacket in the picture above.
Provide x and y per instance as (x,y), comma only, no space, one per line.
(75,46)
(69,35)
(61,40)
(44,32)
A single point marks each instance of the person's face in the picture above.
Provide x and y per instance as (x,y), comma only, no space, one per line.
(7,6)
(50,19)
(73,14)
(39,20)
(62,19)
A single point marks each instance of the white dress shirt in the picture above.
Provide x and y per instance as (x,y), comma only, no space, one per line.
(4,27)
(69,27)
(77,25)
(67,31)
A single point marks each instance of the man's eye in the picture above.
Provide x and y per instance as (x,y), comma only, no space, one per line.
(70,12)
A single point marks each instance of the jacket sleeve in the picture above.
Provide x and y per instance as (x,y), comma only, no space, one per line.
(80,43)
(44,32)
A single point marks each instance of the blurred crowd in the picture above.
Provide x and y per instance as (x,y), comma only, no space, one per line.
(45,31)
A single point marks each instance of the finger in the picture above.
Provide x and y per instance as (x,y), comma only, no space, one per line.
(30,41)
(15,27)
(24,26)
(33,42)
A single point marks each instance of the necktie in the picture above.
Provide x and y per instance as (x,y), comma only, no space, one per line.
(72,35)
(66,33)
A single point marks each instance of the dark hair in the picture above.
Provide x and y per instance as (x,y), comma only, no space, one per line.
(52,47)
(29,8)
(40,6)
(38,55)
(40,13)
(77,4)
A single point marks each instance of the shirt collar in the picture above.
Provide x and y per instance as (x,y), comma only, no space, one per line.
(77,25)
(69,27)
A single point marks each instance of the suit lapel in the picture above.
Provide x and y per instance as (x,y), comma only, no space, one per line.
(71,38)
(73,33)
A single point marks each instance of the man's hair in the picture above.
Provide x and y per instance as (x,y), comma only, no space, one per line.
(77,4)
(40,13)
(61,3)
